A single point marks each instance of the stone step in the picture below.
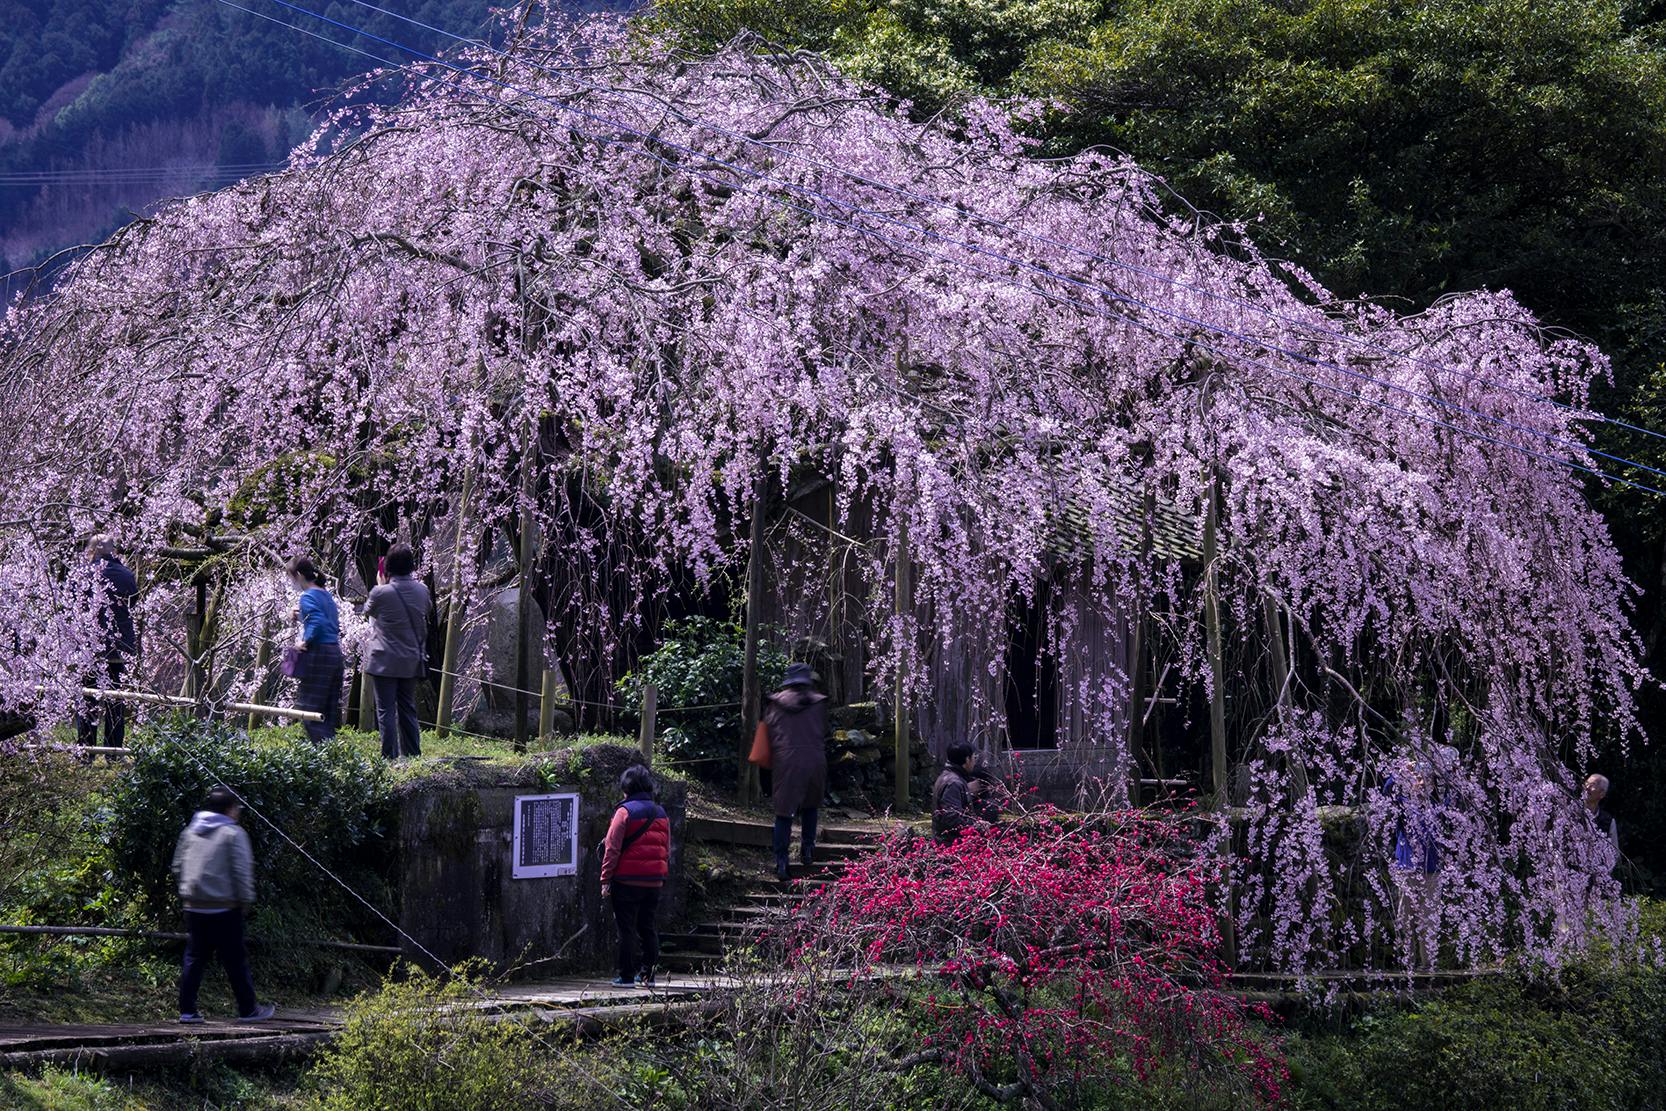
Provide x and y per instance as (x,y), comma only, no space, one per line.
(695,944)
(736,831)
(684,960)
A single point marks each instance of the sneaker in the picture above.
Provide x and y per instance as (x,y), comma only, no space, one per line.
(262,1012)
(645,978)
(192,1019)
(621,982)
(781,872)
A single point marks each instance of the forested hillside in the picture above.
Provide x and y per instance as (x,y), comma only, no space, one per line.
(105,107)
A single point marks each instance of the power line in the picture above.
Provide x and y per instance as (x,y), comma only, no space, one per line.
(959,210)
(347,887)
(1022,264)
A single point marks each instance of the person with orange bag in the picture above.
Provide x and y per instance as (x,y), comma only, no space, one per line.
(795,718)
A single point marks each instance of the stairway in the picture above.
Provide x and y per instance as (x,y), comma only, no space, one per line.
(763,903)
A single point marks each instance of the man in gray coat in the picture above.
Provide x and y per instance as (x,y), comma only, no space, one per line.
(796,717)
(215,870)
(397,655)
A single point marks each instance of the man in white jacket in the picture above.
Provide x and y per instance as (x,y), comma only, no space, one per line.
(215,869)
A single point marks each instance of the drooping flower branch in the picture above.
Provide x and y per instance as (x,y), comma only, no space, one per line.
(473,314)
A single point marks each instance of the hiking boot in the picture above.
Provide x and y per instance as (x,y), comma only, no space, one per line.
(261,1013)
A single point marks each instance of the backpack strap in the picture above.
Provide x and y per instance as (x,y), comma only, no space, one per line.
(630,838)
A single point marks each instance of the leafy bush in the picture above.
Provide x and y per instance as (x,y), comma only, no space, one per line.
(700,662)
(421,1045)
(1590,1039)
(331,799)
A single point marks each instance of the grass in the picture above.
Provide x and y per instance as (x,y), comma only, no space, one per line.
(202,1086)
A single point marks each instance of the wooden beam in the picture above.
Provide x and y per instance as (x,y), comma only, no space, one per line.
(103,694)
(523,604)
(1217,669)
(158,935)
(453,615)
(903,605)
(1139,678)
(751,698)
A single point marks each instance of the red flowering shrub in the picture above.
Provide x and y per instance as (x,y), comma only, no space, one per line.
(1056,955)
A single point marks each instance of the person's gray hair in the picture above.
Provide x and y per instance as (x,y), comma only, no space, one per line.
(103,544)
(1599,779)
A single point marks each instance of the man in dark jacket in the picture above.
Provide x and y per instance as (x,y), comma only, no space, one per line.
(117,590)
(796,717)
(960,797)
(396,657)
(215,870)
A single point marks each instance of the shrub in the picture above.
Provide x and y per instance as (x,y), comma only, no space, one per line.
(1058,954)
(1588,1039)
(700,662)
(331,799)
(424,1044)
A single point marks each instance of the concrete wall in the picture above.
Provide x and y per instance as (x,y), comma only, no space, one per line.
(456,893)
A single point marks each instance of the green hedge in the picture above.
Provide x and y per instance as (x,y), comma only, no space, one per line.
(330,799)
(1590,1039)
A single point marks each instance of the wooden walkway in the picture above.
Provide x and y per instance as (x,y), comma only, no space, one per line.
(586,1004)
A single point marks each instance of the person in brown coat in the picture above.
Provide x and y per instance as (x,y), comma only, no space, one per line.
(796,717)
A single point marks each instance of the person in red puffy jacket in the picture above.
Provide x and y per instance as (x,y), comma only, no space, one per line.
(636,858)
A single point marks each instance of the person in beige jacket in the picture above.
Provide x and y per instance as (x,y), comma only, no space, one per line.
(214,867)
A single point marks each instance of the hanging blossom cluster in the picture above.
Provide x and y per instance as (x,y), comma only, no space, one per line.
(615,298)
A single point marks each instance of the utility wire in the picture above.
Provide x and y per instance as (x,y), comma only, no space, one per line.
(372,907)
(1228,355)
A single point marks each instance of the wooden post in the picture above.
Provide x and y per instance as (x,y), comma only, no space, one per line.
(546,707)
(453,616)
(1217,670)
(367,703)
(751,698)
(196,624)
(1138,698)
(448,665)
(903,605)
(645,735)
(263,680)
(523,606)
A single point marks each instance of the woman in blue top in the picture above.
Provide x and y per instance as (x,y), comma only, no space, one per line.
(321,668)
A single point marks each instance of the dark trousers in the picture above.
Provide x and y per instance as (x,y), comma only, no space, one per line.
(114,713)
(209,936)
(634,909)
(784,836)
(318,688)
(396,716)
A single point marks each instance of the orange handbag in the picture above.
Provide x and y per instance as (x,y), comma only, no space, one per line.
(760,746)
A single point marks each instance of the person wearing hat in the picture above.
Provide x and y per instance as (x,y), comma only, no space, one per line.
(796,718)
